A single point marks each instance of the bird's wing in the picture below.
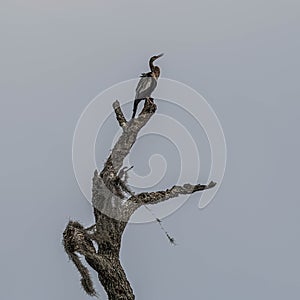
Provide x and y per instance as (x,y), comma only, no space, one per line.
(143,85)
(153,84)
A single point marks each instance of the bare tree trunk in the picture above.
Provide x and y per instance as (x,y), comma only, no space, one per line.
(114,203)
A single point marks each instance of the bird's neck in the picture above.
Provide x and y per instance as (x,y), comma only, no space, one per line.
(154,76)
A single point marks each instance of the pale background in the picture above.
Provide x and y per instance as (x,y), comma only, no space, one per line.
(242,56)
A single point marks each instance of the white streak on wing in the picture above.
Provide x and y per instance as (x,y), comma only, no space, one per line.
(146,84)
(143,84)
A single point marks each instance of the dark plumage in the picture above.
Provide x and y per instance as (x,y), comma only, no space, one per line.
(147,84)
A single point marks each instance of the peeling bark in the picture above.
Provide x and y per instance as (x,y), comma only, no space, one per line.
(114,203)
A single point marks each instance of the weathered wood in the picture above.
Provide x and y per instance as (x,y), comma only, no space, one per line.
(114,204)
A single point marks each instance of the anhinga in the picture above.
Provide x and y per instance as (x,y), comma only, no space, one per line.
(147,83)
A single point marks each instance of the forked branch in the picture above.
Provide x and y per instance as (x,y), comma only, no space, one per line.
(114,203)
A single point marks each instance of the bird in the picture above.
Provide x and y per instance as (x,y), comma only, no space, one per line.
(147,83)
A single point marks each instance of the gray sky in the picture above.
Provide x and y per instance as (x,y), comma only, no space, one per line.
(242,56)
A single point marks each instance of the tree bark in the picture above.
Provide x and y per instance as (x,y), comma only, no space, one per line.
(114,203)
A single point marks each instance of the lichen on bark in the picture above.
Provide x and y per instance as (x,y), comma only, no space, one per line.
(113,205)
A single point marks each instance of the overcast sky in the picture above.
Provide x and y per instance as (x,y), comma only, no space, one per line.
(242,56)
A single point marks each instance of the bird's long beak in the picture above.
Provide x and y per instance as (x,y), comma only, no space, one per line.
(155,57)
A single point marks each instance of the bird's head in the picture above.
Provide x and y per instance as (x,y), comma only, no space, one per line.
(155,57)
(155,69)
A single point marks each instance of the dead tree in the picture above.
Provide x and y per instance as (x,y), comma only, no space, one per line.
(113,204)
